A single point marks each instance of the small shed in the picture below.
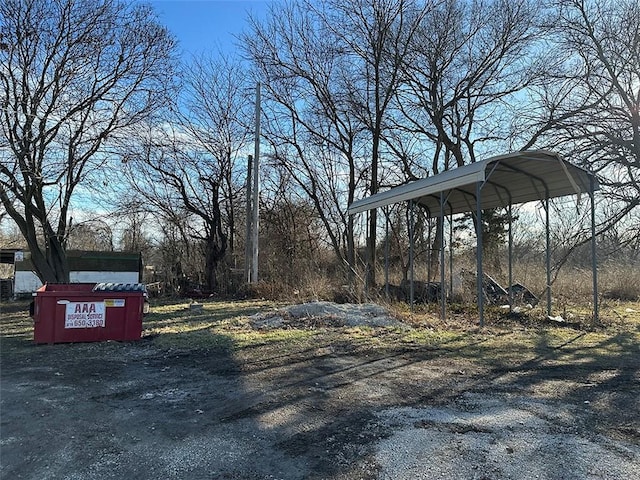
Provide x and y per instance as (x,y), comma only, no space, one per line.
(500,181)
(85,267)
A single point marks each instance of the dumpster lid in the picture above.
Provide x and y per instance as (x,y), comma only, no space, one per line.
(120,287)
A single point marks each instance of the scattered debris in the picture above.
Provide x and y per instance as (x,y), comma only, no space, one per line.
(423,292)
(496,294)
(523,295)
(493,291)
(516,309)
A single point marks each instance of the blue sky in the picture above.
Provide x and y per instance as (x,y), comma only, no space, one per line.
(207,25)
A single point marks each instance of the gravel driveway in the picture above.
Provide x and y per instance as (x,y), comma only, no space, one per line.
(325,409)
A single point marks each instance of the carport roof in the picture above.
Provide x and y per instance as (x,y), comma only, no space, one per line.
(514,178)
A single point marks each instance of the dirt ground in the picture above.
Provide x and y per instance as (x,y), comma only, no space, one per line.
(328,407)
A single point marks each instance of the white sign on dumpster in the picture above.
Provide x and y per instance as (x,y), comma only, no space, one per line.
(84,315)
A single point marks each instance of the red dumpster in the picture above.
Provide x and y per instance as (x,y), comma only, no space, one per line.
(88,312)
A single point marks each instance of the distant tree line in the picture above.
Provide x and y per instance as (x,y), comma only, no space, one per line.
(104,129)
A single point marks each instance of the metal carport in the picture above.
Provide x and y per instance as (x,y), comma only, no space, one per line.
(500,181)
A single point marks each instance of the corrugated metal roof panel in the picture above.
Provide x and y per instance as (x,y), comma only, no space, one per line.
(514,178)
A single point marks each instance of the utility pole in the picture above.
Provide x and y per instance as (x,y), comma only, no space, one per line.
(256,192)
(249,220)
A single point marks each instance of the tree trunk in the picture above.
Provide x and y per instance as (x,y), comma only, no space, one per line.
(57,257)
(212,259)
(351,253)
(216,241)
(50,263)
(370,277)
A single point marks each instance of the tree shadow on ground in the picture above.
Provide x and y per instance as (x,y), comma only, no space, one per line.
(305,409)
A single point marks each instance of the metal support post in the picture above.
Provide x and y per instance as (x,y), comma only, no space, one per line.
(256,192)
(594,253)
(442,282)
(548,256)
(479,273)
(450,257)
(510,254)
(386,253)
(411,253)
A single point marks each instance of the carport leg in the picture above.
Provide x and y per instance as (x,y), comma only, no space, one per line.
(386,253)
(510,260)
(548,243)
(429,245)
(451,257)
(594,259)
(411,253)
(442,283)
(479,273)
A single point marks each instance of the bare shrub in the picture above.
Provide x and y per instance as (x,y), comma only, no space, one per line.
(620,282)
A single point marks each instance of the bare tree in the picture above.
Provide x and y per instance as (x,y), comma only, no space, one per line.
(378,35)
(93,235)
(589,106)
(74,76)
(468,64)
(135,225)
(331,70)
(171,175)
(291,233)
(217,110)
(192,168)
(308,122)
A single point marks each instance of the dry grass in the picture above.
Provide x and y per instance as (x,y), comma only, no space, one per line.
(572,294)
(226,325)
(15,322)
(315,287)
(620,282)
(206,325)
